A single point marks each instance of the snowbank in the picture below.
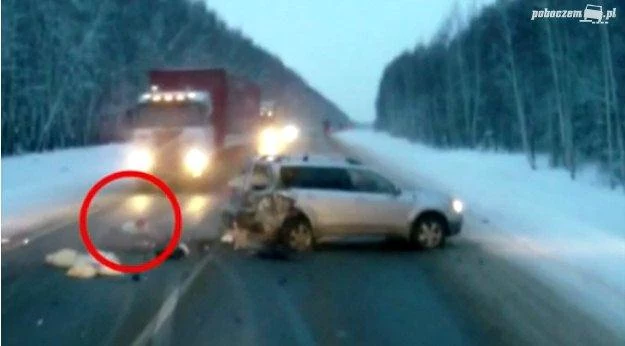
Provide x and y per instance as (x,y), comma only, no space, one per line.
(52,184)
(569,233)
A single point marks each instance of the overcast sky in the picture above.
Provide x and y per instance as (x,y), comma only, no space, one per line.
(339,46)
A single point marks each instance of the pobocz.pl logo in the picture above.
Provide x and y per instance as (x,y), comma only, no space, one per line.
(591,14)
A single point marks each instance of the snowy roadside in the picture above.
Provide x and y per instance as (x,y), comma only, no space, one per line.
(37,188)
(570,234)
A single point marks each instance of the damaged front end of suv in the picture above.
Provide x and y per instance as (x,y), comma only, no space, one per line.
(264,227)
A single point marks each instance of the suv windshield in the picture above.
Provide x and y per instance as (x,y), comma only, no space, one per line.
(328,178)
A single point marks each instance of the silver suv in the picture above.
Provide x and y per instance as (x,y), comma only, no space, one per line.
(340,197)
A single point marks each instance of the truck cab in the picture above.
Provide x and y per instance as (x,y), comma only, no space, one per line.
(194,126)
(171,134)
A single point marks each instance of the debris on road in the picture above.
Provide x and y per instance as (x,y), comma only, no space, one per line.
(82,270)
(227,237)
(135,227)
(182,251)
(63,258)
(81,265)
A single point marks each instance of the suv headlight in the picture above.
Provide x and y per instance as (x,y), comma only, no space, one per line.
(457,206)
(196,161)
(141,159)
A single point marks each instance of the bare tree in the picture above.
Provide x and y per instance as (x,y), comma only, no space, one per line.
(563,119)
(516,88)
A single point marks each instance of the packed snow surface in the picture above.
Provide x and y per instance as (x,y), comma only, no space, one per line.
(39,187)
(569,233)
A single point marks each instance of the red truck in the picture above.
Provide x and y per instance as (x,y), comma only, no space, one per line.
(193,124)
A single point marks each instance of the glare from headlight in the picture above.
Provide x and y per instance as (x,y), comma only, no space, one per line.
(196,161)
(139,203)
(268,134)
(457,206)
(141,159)
(290,133)
(269,142)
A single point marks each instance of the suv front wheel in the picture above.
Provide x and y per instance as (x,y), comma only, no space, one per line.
(298,235)
(428,232)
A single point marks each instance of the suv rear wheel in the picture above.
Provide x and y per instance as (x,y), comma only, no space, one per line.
(428,232)
(298,235)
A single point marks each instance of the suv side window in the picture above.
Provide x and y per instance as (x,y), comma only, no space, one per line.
(368,181)
(324,178)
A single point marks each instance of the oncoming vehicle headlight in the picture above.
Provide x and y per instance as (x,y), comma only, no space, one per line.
(290,133)
(268,134)
(141,159)
(457,205)
(269,142)
(196,161)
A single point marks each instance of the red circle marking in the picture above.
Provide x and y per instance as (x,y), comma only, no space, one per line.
(136,268)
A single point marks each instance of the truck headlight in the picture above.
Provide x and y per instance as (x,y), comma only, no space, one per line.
(196,161)
(290,133)
(141,159)
(457,206)
(269,142)
(268,134)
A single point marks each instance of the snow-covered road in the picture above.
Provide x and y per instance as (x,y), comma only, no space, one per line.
(363,293)
(569,234)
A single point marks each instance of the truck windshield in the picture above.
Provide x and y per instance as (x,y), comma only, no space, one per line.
(170,115)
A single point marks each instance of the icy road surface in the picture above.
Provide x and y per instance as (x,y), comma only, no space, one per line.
(570,234)
(349,293)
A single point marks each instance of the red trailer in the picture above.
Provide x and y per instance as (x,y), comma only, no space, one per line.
(235,101)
